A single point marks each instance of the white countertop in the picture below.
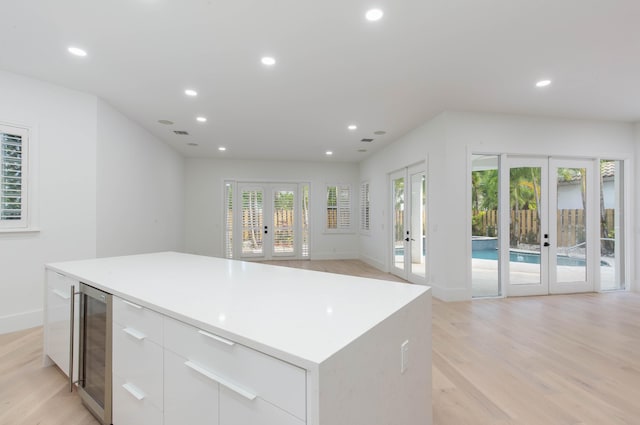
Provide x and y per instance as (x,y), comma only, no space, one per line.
(298,315)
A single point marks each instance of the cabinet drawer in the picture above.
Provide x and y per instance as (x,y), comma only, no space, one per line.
(266,377)
(189,397)
(60,282)
(138,360)
(142,319)
(131,406)
(237,410)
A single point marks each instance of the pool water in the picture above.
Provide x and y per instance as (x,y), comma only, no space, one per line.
(528,257)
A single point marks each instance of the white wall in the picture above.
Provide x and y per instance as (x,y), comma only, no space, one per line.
(64,128)
(448,140)
(636,231)
(140,184)
(204,201)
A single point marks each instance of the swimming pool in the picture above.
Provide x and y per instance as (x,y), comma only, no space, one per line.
(528,257)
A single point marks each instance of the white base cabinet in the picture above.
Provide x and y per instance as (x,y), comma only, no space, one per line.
(57,321)
(189,397)
(138,359)
(209,341)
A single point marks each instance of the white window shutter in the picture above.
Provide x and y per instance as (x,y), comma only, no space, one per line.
(13,182)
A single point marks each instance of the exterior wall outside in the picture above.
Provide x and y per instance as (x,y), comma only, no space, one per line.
(63,124)
(204,201)
(140,186)
(460,134)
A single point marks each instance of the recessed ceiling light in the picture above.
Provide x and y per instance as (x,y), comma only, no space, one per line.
(201,119)
(165,122)
(222,149)
(268,60)
(543,83)
(353,127)
(380,133)
(374,15)
(191,92)
(328,153)
(77,51)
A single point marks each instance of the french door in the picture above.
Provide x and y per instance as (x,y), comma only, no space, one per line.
(408,223)
(268,221)
(550,221)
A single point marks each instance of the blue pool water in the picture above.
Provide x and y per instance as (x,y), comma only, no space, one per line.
(527,257)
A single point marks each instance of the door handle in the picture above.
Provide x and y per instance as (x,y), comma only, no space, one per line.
(546,244)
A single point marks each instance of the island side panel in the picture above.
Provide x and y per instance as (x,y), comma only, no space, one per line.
(363,385)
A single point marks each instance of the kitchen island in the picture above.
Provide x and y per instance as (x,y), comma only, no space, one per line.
(228,342)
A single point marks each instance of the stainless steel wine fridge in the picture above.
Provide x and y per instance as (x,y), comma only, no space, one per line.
(94,381)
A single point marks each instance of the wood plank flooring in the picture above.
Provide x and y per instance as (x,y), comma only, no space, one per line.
(553,360)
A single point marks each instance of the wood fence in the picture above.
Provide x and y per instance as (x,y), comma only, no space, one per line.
(525,227)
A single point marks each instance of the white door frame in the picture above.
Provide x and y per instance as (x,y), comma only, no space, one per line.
(548,226)
(268,230)
(413,226)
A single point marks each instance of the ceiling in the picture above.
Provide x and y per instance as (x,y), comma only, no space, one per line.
(334,68)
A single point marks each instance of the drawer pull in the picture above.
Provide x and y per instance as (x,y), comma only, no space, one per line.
(244,393)
(61,294)
(217,338)
(130,304)
(134,391)
(134,333)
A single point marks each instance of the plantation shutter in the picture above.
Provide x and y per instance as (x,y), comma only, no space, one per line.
(364,207)
(228,241)
(12,184)
(338,208)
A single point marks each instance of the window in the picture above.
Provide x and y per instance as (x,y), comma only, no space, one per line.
(365,217)
(338,208)
(228,219)
(13,177)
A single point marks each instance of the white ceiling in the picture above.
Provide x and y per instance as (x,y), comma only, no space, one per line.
(333,67)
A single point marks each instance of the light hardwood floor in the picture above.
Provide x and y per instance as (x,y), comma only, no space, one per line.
(528,361)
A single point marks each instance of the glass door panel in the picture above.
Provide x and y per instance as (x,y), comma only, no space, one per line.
(398,221)
(572,224)
(528,234)
(252,221)
(612,270)
(284,201)
(485,258)
(525,250)
(571,219)
(418,233)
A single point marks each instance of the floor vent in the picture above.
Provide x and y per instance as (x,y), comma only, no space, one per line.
(367,140)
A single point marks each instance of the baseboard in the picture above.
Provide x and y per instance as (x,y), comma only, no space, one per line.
(450,294)
(374,263)
(20,321)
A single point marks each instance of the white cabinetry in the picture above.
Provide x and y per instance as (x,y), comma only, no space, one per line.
(57,320)
(221,342)
(214,380)
(137,365)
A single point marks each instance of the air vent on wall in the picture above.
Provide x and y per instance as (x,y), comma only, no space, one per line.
(367,140)
(181,132)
